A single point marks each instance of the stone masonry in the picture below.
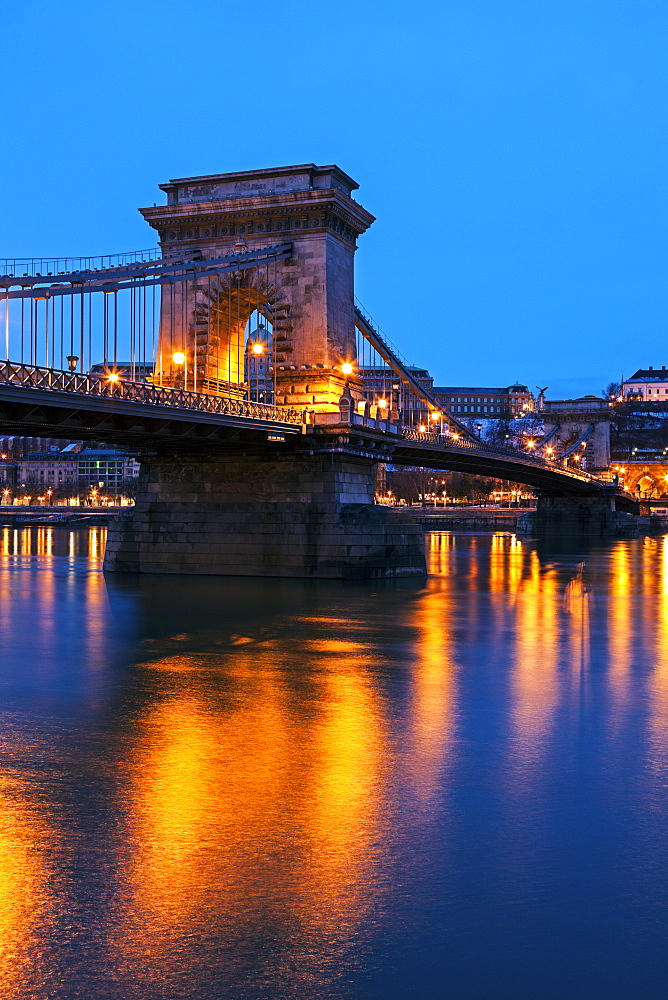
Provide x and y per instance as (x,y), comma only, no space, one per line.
(298,516)
(304,509)
(308,297)
(565,421)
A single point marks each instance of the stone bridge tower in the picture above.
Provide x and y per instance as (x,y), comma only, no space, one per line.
(308,298)
(568,422)
(260,505)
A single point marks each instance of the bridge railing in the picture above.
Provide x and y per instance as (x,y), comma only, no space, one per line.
(54,266)
(30,377)
(411,434)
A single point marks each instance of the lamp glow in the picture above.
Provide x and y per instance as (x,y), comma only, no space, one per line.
(257,349)
(347,368)
(178,358)
(113,377)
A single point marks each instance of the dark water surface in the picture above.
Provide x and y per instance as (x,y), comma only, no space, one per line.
(277,789)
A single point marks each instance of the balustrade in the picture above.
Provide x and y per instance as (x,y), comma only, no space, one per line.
(27,376)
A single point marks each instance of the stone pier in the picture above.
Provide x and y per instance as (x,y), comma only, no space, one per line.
(249,515)
(592,517)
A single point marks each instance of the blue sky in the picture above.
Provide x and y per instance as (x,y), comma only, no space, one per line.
(513,151)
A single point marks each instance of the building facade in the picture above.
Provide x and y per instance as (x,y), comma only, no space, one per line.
(47,470)
(647,384)
(105,469)
(101,469)
(495,403)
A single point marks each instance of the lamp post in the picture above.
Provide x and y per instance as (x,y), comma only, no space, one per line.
(255,351)
(179,359)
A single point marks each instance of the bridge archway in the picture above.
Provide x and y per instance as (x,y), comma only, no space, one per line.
(227,307)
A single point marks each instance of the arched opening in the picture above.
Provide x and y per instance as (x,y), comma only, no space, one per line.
(237,328)
(241,330)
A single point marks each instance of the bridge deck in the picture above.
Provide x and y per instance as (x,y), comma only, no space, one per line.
(43,402)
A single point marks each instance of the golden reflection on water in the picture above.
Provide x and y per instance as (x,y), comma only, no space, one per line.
(26,903)
(256,812)
(658,687)
(535,667)
(620,633)
(433,687)
(47,588)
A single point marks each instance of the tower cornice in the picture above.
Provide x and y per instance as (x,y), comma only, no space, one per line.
(295,212)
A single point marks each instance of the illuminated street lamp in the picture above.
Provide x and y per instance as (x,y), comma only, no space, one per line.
(347,368)
(178,358)
(257,348)
(113,377)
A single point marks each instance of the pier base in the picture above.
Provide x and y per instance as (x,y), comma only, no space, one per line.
(587,517)
(233,515)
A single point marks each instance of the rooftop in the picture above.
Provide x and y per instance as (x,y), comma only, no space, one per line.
(499,390)
(650,375)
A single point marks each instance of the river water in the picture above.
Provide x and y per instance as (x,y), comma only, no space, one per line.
(278,789)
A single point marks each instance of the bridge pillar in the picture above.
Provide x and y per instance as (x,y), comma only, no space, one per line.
(307,298)
(566,421)
(297,515)
(585,517)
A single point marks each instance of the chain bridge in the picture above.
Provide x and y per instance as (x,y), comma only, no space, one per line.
(231,360)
